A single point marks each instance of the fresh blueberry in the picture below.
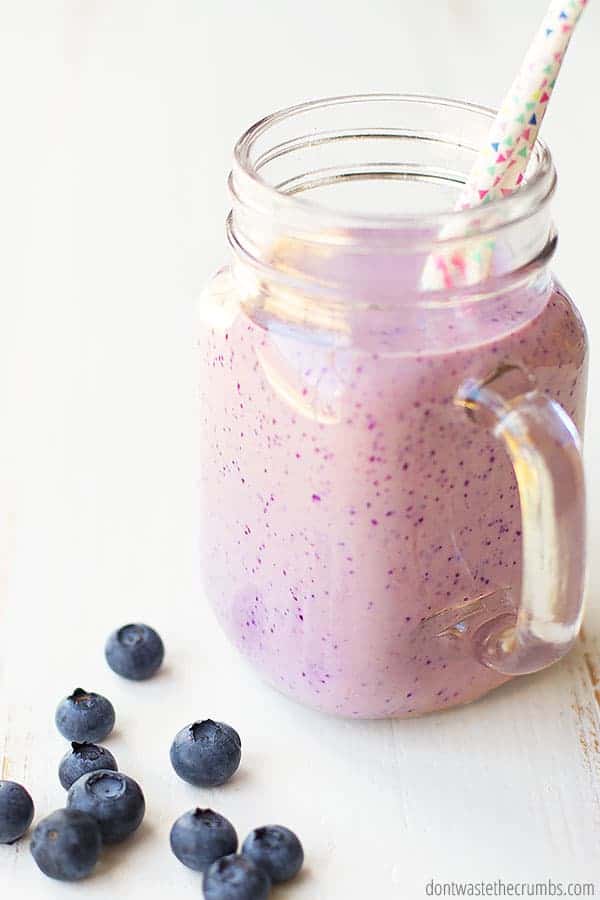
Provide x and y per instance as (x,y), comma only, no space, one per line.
(275,849)
(114,800)
(83,758)
(134,651)
(200,837)
(66,844)
(206,753)
(235,878)
(85,716)
(16,811)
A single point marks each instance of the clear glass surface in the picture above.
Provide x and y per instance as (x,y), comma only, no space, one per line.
(393,498)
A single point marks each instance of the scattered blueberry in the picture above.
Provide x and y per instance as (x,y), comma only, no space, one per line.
(84,716)
(235,878)
(134,651)
(16,811)
(66,844)
(114,800)
(200,837)
(275,849)
(206,753)
(83,758)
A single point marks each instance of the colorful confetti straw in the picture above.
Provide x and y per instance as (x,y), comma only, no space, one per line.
(501,164)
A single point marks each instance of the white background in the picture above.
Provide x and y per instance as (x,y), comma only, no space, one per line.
(117,118)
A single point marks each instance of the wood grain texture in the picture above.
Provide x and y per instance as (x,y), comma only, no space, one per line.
(119,119)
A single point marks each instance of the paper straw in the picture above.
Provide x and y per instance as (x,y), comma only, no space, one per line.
(501,164)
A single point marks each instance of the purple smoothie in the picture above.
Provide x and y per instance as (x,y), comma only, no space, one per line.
(347,500)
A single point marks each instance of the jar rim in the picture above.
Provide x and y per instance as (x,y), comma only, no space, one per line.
(252,190)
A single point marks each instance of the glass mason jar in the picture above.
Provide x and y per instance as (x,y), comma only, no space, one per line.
(393,498)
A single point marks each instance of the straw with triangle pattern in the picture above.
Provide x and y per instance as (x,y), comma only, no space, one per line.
(501,164)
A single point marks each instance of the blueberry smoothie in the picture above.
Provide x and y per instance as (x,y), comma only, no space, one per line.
(350,507)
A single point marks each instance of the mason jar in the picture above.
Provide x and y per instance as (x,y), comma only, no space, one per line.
(393,500)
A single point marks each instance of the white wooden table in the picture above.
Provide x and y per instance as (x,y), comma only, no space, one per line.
(118,118)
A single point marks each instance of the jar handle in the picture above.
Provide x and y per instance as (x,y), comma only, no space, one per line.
(545,450)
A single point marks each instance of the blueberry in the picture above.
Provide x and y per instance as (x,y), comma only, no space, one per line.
(134,651)
(275,849)
(206,753)
(16,811)
(200,837)
(66,844)
(114,800)
(85,716)
(83,758)
(235,878)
